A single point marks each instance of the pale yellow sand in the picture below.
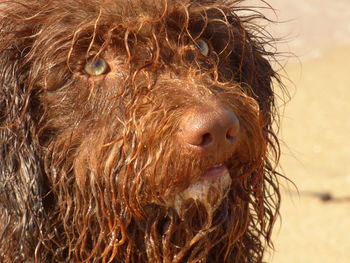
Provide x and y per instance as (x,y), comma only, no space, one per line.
(316,131)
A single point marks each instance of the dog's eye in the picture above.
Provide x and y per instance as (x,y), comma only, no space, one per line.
(202,46)
(96,67)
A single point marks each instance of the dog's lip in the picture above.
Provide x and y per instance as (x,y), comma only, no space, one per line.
(214,172)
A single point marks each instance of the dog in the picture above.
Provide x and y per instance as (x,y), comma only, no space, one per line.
(136,131)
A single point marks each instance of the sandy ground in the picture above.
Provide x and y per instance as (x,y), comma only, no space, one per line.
(316,157)
(316,133)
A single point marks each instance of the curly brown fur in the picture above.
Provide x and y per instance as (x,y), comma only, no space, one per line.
(91,165)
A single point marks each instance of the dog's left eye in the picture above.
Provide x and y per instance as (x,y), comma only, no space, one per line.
(202,46)
(96,67)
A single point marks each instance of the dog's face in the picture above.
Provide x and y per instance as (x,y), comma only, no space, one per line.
(142,115)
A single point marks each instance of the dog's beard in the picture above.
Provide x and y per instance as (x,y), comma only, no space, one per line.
(208,192)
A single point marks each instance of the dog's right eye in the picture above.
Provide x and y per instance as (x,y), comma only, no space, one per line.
(96,67)
(202,46)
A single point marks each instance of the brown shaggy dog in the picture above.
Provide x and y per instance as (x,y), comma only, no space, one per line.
(135,131)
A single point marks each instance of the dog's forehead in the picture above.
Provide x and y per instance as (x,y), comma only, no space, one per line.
(142,16)
(128,23)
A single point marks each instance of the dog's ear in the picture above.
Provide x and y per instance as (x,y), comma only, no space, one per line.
(250,64)
(258,74)
(21,173)
(241,46)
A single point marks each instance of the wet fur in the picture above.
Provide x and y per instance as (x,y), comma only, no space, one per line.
(88,164)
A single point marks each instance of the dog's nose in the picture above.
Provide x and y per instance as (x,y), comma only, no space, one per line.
(210,128)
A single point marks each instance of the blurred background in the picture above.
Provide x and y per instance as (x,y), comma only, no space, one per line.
(315,217)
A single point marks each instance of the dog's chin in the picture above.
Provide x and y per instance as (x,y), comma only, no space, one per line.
(209,191)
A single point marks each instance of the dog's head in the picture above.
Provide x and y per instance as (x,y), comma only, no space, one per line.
(136,130)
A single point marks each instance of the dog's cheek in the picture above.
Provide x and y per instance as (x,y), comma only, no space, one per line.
(80,99)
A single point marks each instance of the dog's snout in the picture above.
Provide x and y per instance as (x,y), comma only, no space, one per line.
(210,128)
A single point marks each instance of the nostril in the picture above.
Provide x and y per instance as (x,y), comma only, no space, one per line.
(206,139)
(232,133)
(229,136)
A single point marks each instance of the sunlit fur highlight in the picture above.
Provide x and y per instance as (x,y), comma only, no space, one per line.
(88,164)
